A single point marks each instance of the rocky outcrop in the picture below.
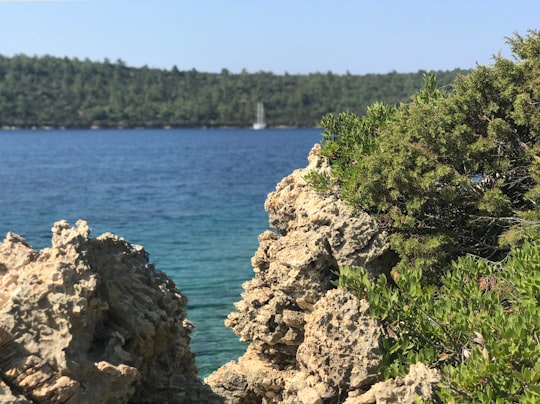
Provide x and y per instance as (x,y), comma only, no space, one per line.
(296,268)
(308,342)
(90,320)
(340,353)
(418,383)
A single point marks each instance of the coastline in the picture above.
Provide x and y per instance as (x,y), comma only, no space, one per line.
(166,127)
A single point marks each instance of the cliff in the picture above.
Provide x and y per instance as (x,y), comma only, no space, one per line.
(309,342)
(89,320)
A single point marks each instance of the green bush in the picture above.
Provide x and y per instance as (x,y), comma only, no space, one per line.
(480,328)
(453,177)
(451,172)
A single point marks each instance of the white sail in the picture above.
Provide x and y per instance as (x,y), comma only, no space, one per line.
(259,123)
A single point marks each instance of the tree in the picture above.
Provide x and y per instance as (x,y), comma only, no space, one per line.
(448,173)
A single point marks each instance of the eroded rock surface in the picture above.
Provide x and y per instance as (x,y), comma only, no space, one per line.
(417,384)
(308,342)
(90,320)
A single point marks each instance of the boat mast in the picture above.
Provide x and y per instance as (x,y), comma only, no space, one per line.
(259,123)
(260,113)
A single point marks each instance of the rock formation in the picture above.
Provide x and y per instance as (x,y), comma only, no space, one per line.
(308,342)
(91,321)
(417,383)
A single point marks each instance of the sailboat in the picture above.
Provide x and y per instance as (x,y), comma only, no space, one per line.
(259,123)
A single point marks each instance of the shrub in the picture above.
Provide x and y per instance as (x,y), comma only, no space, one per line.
(452,172)
(453,177)
(480,328)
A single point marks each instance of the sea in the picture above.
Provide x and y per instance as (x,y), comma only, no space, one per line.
(194,198)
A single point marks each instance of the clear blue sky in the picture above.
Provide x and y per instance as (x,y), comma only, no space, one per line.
(294,36)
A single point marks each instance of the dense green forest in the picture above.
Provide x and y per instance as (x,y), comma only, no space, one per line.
(70,93)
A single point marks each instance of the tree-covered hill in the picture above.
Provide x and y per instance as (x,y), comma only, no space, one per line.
(62,92)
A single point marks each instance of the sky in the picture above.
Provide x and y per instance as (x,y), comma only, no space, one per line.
(278,36)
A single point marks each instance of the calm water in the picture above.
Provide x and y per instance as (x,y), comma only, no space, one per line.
(193,198)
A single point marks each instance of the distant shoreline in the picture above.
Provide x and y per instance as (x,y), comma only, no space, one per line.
(95,127)
(52,93)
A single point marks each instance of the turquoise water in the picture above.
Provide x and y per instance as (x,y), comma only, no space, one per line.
(193,198)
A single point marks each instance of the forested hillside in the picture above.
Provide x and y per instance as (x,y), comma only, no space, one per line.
(62,92)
